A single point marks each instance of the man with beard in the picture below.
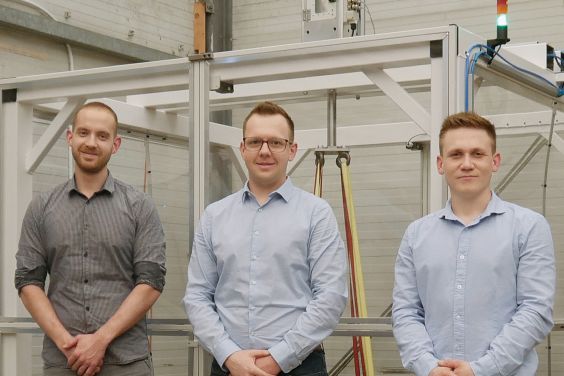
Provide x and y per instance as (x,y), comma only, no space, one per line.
(102,244)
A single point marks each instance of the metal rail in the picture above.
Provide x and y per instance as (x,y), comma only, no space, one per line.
(347,327)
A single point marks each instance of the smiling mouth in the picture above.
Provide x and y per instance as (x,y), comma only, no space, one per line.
(91,155)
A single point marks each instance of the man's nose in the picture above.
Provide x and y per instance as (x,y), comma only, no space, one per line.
(467,161)
(91,140)
(264,149)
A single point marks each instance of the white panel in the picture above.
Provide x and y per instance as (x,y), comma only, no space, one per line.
(165,25)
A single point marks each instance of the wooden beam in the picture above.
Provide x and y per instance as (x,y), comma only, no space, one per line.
(199,27)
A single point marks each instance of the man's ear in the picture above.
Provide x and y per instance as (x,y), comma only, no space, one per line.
(69,137)
(496,162)
(293,151)
(440,168)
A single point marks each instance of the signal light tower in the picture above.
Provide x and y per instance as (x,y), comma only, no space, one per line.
(501,24)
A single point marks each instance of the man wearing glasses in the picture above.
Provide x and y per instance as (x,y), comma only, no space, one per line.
(267,279)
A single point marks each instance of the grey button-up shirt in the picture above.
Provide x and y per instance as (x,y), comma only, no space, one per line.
(95,251)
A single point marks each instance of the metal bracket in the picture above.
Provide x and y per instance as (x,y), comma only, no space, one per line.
(9,95)
(200,57)
(340,152)
(210,6)
(436,48)
(225,87)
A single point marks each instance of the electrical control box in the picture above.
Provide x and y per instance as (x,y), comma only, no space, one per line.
(330,19)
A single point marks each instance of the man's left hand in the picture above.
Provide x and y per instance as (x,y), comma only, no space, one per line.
(460,367)
(88,356)
(268,364)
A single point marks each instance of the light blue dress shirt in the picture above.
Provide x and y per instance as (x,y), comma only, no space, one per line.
(482,293)
(267,277)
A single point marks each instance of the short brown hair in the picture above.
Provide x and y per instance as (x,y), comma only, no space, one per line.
(98,105)
(467,120)
(270,108)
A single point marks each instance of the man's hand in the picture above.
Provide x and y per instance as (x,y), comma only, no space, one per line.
(441,371)
(460,367)
(268,364)
(242,363)
(67,348)
(88,355)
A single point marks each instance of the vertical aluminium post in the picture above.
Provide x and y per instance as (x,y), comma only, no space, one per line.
(332,118)
(199,137)
(199,166)
(437,192)
(15,194)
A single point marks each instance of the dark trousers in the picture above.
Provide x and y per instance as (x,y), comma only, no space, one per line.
(138,368)
(313,365)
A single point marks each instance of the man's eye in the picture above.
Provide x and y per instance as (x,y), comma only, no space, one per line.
(276,142)
(253,142)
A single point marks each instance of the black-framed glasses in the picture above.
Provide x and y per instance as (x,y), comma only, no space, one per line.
(275,144)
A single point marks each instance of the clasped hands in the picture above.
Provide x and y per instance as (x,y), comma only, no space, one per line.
(252,363)
(85,353)
(452,367)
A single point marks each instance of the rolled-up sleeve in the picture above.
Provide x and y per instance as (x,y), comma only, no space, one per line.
(31,260)
(150,247)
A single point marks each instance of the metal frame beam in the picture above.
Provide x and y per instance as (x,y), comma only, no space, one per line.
(110,81)
(395,92)
(49,137)
(264,68)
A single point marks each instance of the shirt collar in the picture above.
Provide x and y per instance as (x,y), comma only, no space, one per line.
(109,185)
(285,191)
(495,206)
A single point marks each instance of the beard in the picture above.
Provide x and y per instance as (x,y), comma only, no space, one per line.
(90,167)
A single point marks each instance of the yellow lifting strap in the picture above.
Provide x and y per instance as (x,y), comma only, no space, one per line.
(357,277)
(359,274)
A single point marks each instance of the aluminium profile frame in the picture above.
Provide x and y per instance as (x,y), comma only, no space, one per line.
(241,67)
(379,55)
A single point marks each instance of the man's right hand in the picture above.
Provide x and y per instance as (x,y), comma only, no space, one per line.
(68,347)
(242,363)
(442,371)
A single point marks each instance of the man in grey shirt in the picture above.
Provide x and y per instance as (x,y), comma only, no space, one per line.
(102,244)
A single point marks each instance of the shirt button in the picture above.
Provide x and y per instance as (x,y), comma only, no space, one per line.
(459,286)
(252,308)
(462,257)
(253,257)
(458,317)
(85,281)
(87,308)
(256,232)
(85,254)
(253,282)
